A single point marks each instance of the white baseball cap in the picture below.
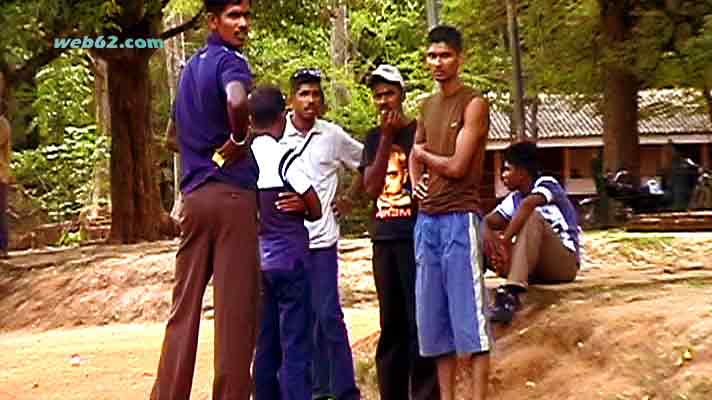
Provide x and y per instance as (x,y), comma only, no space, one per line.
(389,74)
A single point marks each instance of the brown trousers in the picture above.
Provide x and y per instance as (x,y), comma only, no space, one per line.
(539,256)
(219,238)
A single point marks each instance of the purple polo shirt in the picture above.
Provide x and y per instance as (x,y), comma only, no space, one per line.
(201,116)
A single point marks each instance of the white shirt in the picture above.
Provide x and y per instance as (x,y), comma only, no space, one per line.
(324,150)
(277,167)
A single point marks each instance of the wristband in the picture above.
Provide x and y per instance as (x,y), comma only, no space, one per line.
(236,143)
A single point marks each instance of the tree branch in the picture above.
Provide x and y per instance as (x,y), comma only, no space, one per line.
(176,30)
(27,72)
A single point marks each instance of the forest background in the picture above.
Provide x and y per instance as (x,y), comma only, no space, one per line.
(88,124)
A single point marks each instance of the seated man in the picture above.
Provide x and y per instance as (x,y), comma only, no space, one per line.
(539,216)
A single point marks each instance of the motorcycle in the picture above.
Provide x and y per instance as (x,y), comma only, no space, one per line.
(646,198)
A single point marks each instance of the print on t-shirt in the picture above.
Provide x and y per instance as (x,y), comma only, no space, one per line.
(395,200)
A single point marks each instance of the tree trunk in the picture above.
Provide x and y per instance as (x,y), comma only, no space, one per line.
(620,94)
(175,54)
(103,113)
(708,99)
(339,35)
(100,192)
(136,211)
(620,122)
(519,119)
(432,8)
(340,49)
(535,118)
(4,94)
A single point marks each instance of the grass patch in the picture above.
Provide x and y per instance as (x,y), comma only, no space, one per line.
(642,247)
(699,283)
(645,242)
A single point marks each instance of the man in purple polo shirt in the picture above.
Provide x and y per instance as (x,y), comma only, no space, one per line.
(219,216)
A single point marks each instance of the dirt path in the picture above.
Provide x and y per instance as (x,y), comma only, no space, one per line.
(112,362)
(636,325)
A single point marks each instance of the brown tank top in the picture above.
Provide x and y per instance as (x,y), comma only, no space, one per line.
(442,119)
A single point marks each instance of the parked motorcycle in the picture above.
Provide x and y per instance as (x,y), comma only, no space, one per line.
(648,197)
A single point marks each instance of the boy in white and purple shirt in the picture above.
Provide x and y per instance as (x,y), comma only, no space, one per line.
(283,354)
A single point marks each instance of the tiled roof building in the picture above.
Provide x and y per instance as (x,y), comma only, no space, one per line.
(662,112)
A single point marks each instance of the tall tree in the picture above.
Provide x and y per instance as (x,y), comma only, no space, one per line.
(518,114)
(136,211)
(601,51)
(101,187)
(620,88)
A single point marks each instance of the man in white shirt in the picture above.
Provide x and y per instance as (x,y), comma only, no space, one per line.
(324,148)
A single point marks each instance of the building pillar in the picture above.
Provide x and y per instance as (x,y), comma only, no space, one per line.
(566,173)
(498,173)
(705,156)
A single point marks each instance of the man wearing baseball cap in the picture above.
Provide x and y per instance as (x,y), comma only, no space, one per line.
(402,373)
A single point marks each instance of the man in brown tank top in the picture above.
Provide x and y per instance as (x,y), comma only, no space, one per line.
(445,169)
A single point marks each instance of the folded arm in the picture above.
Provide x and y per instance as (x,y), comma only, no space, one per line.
(471,137)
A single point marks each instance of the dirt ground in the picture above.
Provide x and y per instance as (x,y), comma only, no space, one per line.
(86,323)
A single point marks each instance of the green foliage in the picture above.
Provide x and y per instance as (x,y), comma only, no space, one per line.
(276,55)
(564,50)
(279,14)
(63,96)
(30,26)
(391,32)
(28,32)
(59,172)
(483,24)
(380,32)
(60,175)
(648,243)
(72,238)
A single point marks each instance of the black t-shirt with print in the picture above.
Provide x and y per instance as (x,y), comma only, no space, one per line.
(394,212)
